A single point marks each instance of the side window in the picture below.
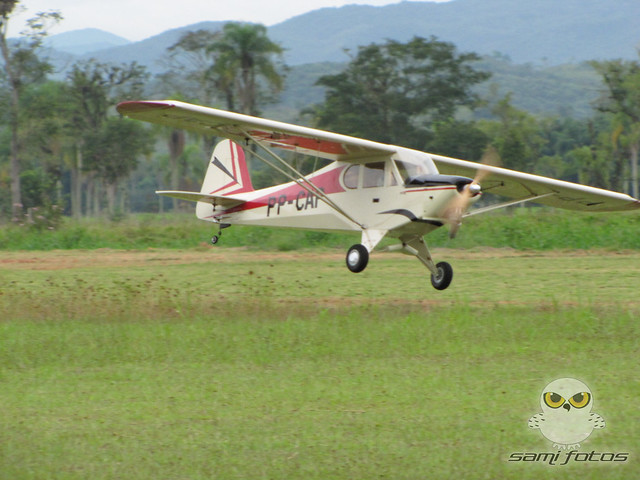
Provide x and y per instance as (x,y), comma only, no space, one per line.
(351,175)
(373,175)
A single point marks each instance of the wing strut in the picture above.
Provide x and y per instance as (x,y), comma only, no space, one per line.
(300,179)
(488,208)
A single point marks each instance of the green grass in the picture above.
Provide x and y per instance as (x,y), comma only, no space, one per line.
(157,231)
(230,364)
(521,228)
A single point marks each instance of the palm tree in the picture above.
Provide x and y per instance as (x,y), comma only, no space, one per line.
(244,56)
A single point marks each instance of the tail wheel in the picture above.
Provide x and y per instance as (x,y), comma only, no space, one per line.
(357,258)
(216,238)
(444,276)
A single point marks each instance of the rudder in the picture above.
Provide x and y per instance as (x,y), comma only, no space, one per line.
(227,173)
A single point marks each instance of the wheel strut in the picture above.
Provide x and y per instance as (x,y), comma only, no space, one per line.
(441,274)
(216,237)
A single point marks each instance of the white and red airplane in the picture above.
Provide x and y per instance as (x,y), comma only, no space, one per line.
(373,188)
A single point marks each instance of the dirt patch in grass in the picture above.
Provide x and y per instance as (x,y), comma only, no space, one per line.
(72,259)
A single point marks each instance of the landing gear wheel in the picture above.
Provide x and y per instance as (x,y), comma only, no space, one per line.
(444,276)
(357,258)
(214,239)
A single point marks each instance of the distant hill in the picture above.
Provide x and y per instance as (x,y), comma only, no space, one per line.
(151,51)
(80,42)
(547,32)
(534,49)
(540,31)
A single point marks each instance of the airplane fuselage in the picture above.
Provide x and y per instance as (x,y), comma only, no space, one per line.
(372,191)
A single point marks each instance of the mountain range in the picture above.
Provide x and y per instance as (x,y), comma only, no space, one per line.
(540,32)
(535,50)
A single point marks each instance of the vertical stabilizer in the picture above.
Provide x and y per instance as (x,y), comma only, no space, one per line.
(227,173)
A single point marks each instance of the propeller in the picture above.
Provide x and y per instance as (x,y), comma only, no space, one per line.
(459,205)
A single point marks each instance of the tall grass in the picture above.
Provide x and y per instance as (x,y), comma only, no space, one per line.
(522,228)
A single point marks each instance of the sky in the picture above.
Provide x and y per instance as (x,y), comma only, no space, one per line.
(139,19)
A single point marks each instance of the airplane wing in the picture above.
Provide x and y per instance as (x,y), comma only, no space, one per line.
(543,190)
(332,146)
(239,128)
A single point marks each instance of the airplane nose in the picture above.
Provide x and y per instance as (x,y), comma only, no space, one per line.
(474,188)
(567,407)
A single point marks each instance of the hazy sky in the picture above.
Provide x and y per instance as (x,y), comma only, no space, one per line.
(140,19)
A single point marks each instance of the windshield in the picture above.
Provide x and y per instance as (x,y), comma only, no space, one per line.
(414,164)
(408,170)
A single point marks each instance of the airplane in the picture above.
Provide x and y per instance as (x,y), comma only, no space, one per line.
(376,189)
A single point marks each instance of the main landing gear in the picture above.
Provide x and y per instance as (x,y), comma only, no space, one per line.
(441,273)
(442,279)
(357,258)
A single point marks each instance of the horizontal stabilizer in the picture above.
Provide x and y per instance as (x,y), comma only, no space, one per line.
(217,200)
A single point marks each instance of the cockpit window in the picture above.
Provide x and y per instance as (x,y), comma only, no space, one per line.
(369,175)
(373,175)
(351,176)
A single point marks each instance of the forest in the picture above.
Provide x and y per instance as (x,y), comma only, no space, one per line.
(65,152)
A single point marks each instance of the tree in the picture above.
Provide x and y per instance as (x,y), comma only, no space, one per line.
(621,98)
(192,72)
(44,122)
(394,92)
(21,67)
(458,139)
(622,82)
(236,65)
(515,135)
(247,59)
(94,88)
(113,151)
(564,143)
(239,66)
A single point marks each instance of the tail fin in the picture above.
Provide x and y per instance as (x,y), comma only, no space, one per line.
(227,173)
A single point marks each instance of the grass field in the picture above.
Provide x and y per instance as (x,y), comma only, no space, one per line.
(519,228)
(236,364)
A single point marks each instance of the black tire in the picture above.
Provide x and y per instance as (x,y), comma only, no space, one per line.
(444,277)
(357,258)
(214,239)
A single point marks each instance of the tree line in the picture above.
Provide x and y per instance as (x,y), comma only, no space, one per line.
(64,150)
